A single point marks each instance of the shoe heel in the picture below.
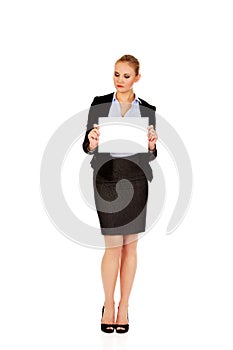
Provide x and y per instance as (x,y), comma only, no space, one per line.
(122,328)
(105,327)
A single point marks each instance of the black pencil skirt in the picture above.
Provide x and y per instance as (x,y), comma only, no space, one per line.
(121,193)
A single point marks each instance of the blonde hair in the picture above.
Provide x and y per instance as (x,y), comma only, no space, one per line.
(132,61)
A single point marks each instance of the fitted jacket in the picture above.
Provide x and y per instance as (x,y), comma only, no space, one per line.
(100,108)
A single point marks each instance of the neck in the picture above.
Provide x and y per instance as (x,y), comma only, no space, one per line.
(125,96)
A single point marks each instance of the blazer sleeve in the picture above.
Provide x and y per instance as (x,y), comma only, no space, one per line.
(91,120)
(153,154)
(148,110)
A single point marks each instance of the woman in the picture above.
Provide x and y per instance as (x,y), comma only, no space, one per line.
(120,227)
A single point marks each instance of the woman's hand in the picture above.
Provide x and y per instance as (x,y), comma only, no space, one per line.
(152,137)
(93,137)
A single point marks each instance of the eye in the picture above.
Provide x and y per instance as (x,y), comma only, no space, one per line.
(127,76)
(116,74)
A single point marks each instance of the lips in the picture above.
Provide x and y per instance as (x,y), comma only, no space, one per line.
(120,86)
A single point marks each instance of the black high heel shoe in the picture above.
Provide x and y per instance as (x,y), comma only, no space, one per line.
(122,328)
(105,327)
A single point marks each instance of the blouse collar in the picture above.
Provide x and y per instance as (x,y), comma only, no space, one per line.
(136,99)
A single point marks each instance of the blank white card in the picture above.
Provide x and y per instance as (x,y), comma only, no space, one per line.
(123,135)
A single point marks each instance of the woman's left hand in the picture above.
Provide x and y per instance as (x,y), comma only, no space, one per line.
(152,137)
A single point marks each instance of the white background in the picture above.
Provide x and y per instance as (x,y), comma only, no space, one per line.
(55,57)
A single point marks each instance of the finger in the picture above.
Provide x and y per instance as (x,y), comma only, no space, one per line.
(95,132)
(93,139)
(151,134)
(93,135)
(96,126)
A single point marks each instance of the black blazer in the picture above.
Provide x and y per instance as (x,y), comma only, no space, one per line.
(100,108)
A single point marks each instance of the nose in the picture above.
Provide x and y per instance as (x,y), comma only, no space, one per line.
(120,80)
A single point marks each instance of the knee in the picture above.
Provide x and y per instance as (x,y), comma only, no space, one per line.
(130,249)
(113,252)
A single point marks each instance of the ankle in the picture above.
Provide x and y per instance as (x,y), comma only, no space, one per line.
(109,304)
(123,304)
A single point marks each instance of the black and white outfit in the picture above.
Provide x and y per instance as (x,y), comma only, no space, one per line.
(111,168)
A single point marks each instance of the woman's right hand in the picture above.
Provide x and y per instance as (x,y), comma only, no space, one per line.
(93,137)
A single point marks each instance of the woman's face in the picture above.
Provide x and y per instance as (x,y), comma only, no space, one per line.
(124,77)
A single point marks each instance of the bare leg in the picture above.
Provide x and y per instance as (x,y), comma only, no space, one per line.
(109,271)
(127,273)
